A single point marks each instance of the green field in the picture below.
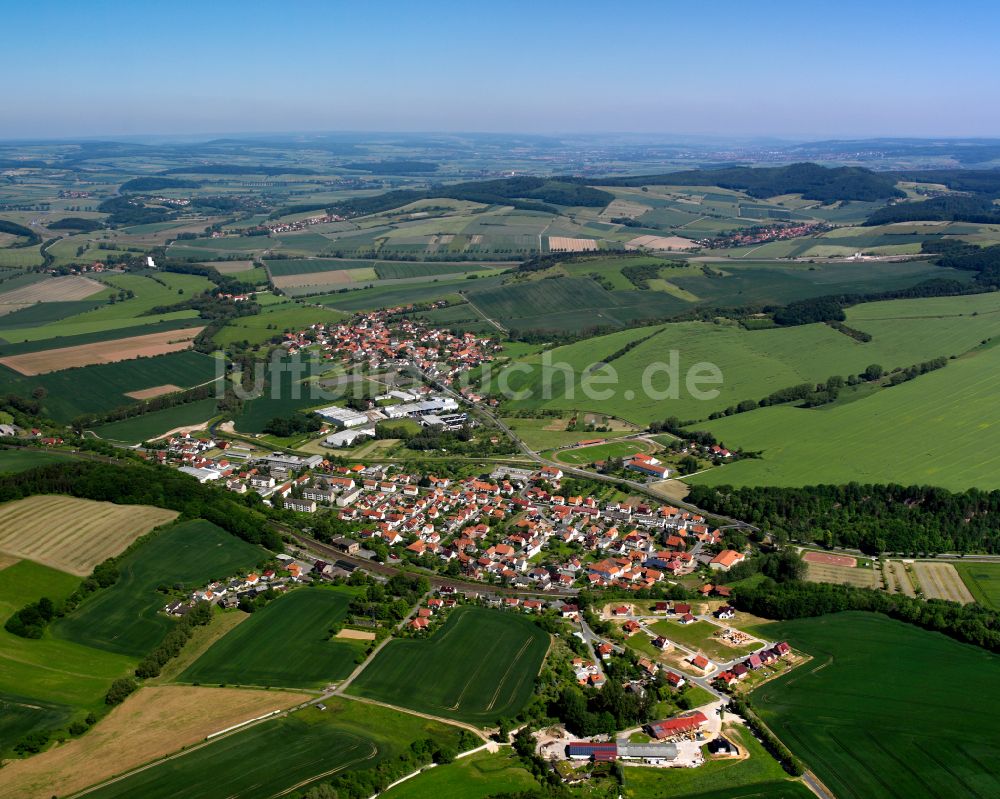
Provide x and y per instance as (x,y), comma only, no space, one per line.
(102,387)
(20,715)
(942,428)
(753,363)
(20,460)
(983,582)
(273,321)
(600,452)
(47,672)
(887,709)
(130,327)
(548,433)
(285,644)
(479,667)
(127,618)
(150,425)
(474,777)
(757,777)
(272,758)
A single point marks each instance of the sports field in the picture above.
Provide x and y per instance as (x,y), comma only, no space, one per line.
(887,709)
(287,643)
(474,777)
(71,534)
(479,667)
(126,618)
(289,753)
(546,433)
(599,452)
(983,582)
(756,777)
(150,724)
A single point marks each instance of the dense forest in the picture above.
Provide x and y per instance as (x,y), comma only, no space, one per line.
(812,181)
(123,211)
(6,226)
(75,223)
(527,194)
(156,184)
(977,181)
(954,208)
(872,518)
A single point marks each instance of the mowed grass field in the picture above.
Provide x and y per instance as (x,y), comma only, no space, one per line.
(126,618)
(20,460)
(700,635)
(983,582)
(150,724)
(291,752)
(474,777)
(479,667)
(887,709)
(942,428)
(287,643)
(71,534)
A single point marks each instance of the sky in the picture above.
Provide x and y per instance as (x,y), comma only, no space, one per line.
(815,69)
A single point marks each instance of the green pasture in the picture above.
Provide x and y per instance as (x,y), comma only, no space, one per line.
(878,712)
(479,667)
(20,460)
(128,617)
(258,651)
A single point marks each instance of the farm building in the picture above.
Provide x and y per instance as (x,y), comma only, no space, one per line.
(587,750)
(726,559)
(684,726)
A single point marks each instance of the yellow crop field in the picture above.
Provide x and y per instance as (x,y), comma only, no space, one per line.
(73,535)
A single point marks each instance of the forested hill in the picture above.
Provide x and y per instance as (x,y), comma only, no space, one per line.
(950,208)
(812,181)
(525,193)
(873,518)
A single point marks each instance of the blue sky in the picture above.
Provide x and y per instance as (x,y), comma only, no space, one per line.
(804,69)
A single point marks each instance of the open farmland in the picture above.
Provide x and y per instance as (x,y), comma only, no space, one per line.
(983,582)
(150,724)
(45,681)
(878,713)
(126,618)
(483,663)
(103,387)
(124,349)
(941,581)
(19,460)
(57,289)
(71,534)
(155,424)
(940,429)
(256,652)
(291,752)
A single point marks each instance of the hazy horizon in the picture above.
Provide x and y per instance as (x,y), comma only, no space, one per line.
(866,71)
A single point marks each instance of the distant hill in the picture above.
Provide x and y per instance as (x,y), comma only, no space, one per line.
(953,208)
(812,181)
(393,167)
(156,184)
(238,169)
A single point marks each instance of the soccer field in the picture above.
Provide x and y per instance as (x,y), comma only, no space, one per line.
(887,709)
(287,643)
(479,667)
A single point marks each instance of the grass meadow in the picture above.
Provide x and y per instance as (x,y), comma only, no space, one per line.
(291,752)
(257,651)
(478,667)
(887,709)
(151,425)
(20,460)
(126,618)
(477,776)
